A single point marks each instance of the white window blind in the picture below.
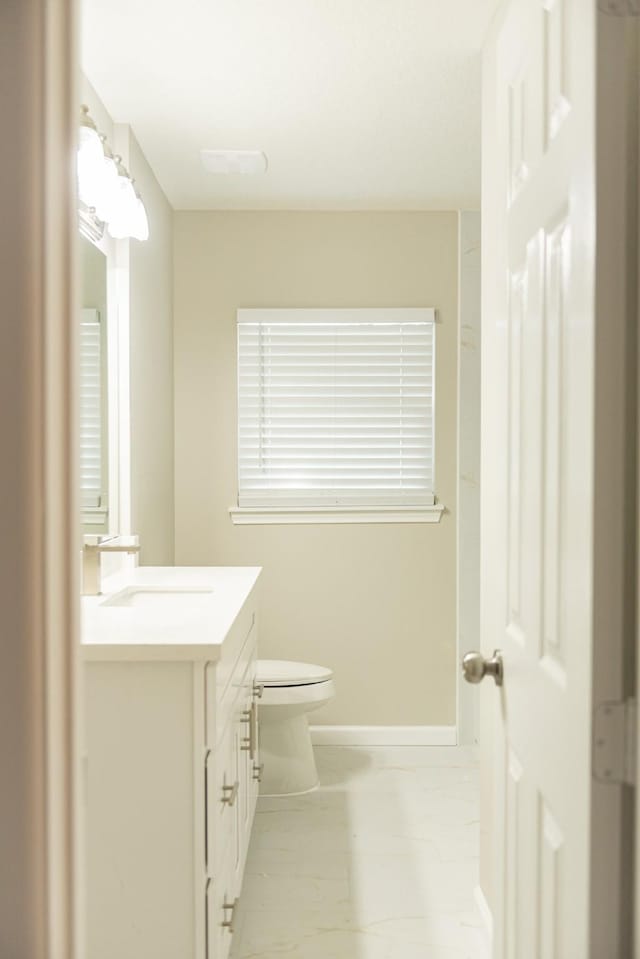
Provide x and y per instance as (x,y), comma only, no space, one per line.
(91,479)
(335,407)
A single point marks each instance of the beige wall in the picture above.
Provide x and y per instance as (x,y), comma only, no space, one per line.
(151,331)
(375,603)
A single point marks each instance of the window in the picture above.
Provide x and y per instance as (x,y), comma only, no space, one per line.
(335,408)
(92,478)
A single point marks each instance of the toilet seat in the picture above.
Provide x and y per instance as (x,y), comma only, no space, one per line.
(305,694)
(273,673)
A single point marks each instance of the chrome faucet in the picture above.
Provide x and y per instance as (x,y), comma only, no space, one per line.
(92,549)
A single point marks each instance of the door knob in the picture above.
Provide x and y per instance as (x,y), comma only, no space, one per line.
(475,667)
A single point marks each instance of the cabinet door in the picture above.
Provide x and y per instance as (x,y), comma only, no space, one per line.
(222,910)
(244,773)
(223,791)
(255,770)
(249,764)
(209,944)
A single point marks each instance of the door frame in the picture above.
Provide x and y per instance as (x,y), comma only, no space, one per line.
(615,467)
(39,546)
(468,468)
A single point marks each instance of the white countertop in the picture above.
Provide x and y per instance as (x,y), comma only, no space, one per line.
(181,631)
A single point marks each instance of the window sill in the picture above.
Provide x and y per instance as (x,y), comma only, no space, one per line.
(284,515)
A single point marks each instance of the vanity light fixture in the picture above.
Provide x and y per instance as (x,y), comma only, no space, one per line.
(106,192)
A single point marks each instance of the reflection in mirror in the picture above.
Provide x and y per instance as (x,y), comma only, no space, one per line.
(94,466)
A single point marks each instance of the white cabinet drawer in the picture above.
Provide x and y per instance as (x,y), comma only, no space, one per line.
(249,764)
(222,912)
(224,680)
(222,799)
(230,782)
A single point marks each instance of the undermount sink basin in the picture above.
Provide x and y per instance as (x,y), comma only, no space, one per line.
(160,597)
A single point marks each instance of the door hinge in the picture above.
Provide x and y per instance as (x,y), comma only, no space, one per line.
(615,742)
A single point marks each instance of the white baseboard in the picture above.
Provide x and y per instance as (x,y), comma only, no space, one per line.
(383,735)
(487,918)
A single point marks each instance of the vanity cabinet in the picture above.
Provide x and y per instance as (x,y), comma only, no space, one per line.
(171,782)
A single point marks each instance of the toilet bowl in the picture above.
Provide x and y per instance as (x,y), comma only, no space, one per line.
(290,691)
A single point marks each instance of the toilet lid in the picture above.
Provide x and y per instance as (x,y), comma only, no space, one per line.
(281,672)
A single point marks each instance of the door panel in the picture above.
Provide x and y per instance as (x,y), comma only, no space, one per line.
(537,435)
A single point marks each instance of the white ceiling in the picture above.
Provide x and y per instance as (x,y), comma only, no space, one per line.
(358,104)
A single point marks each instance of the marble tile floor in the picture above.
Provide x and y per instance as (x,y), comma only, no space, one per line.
(380,863)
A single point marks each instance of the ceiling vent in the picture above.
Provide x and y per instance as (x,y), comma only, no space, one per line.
(234,161)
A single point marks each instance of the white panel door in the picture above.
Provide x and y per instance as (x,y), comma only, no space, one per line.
(538,473)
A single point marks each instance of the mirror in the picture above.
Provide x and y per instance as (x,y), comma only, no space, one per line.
(93,389)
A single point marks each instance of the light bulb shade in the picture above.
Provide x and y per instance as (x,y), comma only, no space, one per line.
(140,222)
(108,189)
(90,167)
(122,220)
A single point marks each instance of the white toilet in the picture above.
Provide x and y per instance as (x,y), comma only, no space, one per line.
(290,692)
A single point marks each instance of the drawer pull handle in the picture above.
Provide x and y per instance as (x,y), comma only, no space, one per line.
(258,690)
(257,772)
(229,907)
(250,743)
(230,793)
